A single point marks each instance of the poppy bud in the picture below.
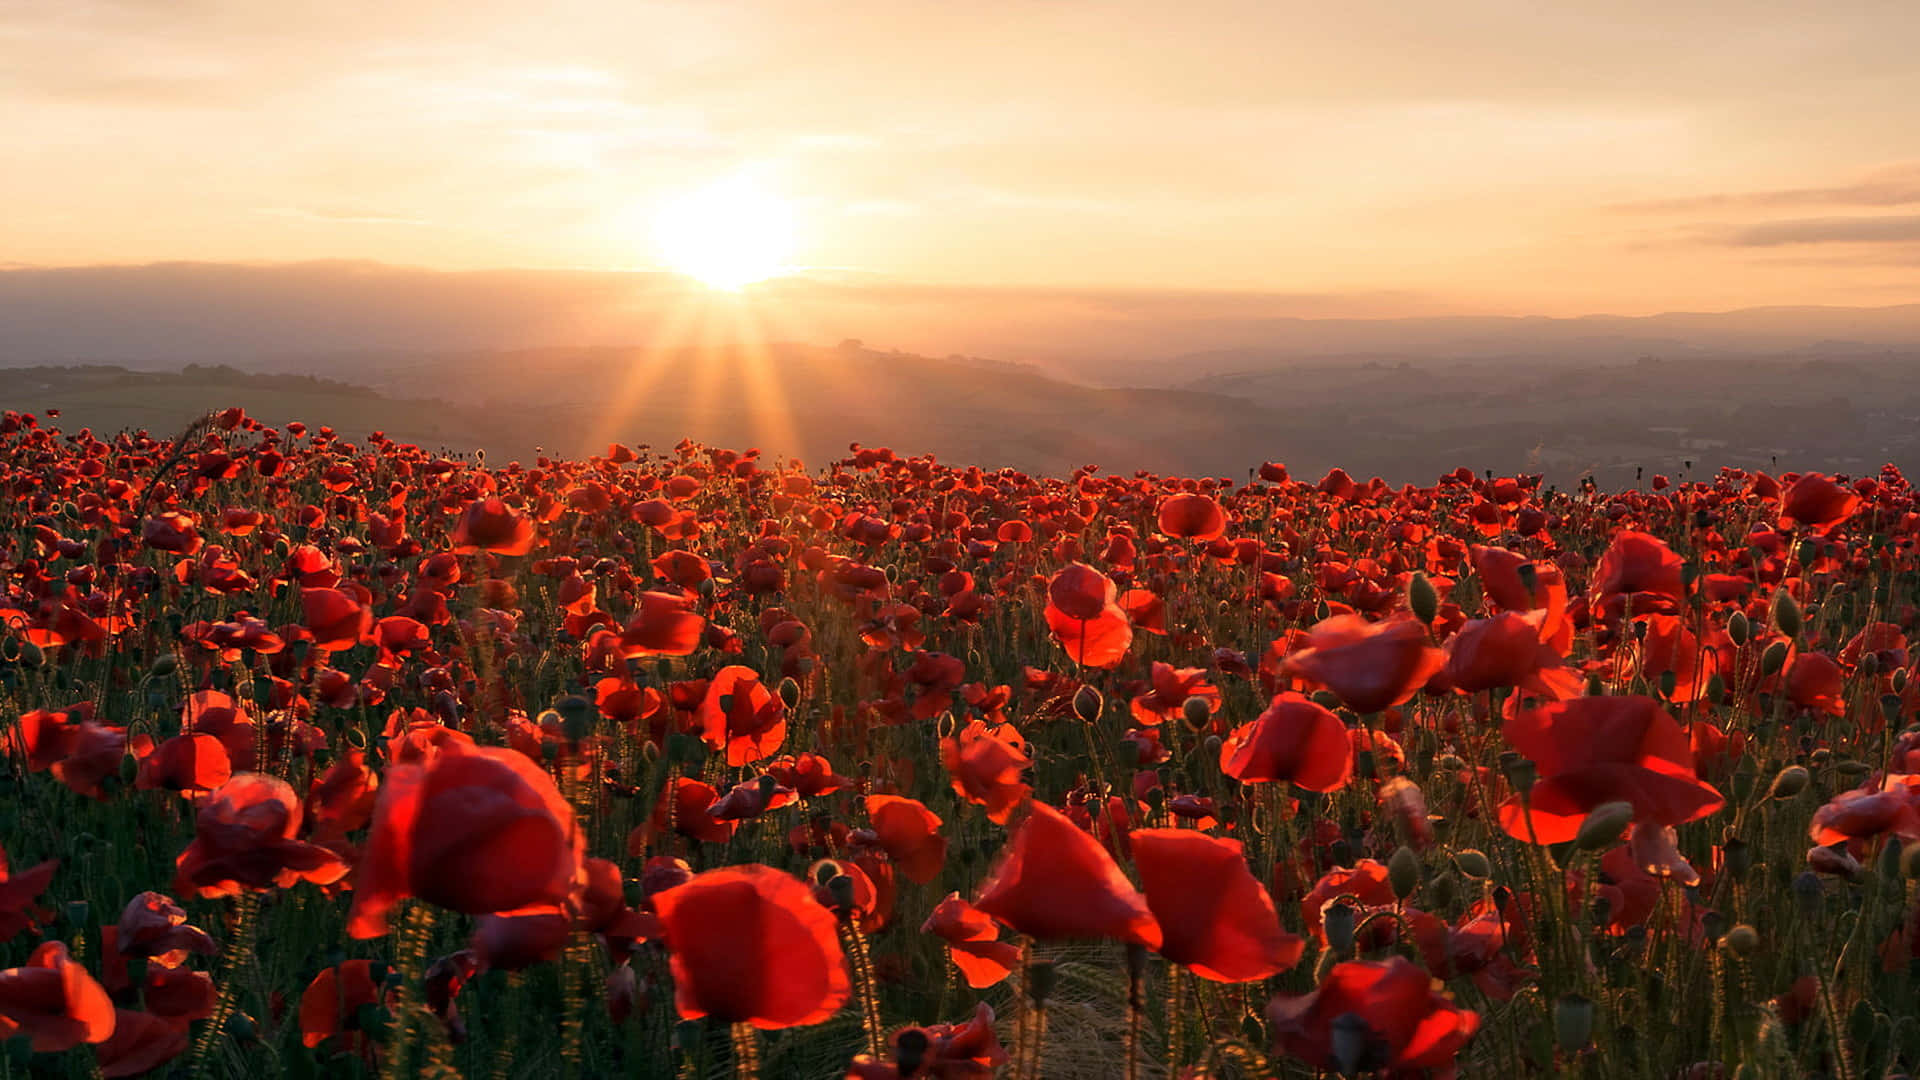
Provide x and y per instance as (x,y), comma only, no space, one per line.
(1042,976)
(789,692)
(1197,713)
(1521,773)
(1127,754)
(1573,1023)
(687,1035)
(1338,922)
(1739,628)
(1403,871)
(840,888)
(1088,704)
(1890,704)
(1791,781)
(1603,825)
(1595,687)
(1900,681)
(1326,699)
(1716,687)
(1786,613)
(1443,891)
(1422,598)
(1774,658)
(910,1050)
(1742,940)
(1351,1042)
(1473,863)
(164,665)
(31,656)
(1737,856)
(1808,892)
(1669,681)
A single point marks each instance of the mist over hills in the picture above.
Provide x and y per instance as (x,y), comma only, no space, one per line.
(1040,379)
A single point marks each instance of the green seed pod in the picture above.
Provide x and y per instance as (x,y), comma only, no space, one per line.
(1786,613)
(1473,863)
(1742,940)
(1403,871)
(1791,781)
(1739,629)
(1774,658)
(1197,712)
(1573,1023)
(1088,704)
(1423,598)
(1042,977)
(1603,826)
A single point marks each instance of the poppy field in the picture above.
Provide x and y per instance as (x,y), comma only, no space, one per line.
(361,759)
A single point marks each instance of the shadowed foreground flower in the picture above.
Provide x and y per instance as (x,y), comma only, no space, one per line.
(1055,881)
(474,829)
(140,1043)
(1364,1017)
(1215,919)
(751,945)
(54,1000)
(243,839)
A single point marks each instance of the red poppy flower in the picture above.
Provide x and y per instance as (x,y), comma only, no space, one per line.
(336,618)
(187,762)
(1506,650)
(1595,750)
(1054,880)
(910,833)
(492,525)
(243,839)
(54,1000)
(1098,642)
(1171,688)
(1192,516)
(330,1005)
(1668,646)
(664,625)
(973,941)
(1370,666)
(474,829)
(1638,563)
(1364,1017)
(1295,741)
(153,926)
(1215,919)
(18,892)
(809,775)
(986,767)
(741,716)
(1817,502)
(751,945)
(1815,681)
(141,1043)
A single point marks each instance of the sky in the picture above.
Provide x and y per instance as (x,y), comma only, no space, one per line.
(1470,156)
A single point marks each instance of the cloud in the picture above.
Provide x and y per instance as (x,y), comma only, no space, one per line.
(339,217)
(1885,229)
(1895,185)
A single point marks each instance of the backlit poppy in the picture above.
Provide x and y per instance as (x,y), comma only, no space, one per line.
(750,945)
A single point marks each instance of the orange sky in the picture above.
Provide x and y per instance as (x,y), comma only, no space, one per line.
(1473,155)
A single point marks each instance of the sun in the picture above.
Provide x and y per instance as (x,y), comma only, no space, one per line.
(728,234)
